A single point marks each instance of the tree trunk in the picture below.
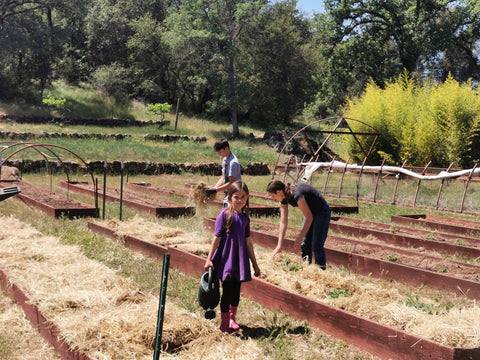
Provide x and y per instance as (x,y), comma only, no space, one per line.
(233,97)
(235,121)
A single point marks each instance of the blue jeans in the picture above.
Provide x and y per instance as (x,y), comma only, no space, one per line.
(316,236)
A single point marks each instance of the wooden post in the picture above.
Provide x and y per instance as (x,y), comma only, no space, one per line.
(396,184)
(418,185)
(466,186)
(441,187)
(376,183)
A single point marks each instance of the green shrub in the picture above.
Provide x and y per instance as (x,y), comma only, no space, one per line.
(428,122)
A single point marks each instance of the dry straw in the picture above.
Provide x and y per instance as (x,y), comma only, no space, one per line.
(385,302)
(101,313)
(199,196)
(18,337)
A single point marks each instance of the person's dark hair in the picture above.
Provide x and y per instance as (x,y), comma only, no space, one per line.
(234,187)
(220,144)
(275,185)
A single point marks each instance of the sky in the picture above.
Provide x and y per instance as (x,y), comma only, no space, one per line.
(308,6)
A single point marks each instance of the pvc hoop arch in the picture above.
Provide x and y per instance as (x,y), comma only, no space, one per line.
(340,120)
(46,147)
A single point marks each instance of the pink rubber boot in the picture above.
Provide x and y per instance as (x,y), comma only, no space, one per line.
(233,314)
(225,324)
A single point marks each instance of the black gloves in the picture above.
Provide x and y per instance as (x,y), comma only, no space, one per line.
(211,191)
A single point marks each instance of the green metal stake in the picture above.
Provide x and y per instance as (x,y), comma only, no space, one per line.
(161,307)
(104,185)
(96,198)
(121,189)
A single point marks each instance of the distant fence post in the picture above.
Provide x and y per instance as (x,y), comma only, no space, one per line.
(418,184)
(466,186)
(441,187)
(396,184)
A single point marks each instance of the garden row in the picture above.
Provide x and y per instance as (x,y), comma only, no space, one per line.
(372,336)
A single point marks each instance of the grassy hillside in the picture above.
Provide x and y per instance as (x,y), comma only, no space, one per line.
(85,102)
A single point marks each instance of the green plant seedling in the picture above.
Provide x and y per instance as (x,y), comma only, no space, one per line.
(392,257)
(394,228)
(338,293)
(295,267)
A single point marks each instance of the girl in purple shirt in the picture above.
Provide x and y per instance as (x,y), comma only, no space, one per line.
(231,252)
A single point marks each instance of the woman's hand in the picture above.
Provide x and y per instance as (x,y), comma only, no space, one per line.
(276,251)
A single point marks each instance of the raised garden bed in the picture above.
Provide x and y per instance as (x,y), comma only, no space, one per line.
(147,205)
(88,311)
(406,238)
(379,339)
(440,223)
(369,261)
(164,190)
(56,205)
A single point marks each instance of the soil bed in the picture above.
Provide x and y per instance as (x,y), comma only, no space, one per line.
(146,204)
(446,224)
(52,203)
(417,257)
(412,230)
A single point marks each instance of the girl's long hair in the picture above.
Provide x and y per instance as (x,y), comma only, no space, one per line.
(275,185)
(234,187)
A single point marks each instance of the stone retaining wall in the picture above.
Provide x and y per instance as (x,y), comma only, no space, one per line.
(46,135)
(134,167)
(24,119)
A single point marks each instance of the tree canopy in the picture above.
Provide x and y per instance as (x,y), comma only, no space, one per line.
(235,60)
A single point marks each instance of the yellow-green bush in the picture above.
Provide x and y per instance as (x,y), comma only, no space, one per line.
(420,123)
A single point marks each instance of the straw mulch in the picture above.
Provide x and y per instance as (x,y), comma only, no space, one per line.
(385,302)
(100,313)
(18,338)
(161,235)
(198,195)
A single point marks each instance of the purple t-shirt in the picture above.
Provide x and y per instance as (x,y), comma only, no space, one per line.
(231,259)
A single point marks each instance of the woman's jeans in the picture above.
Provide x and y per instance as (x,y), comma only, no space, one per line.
(316,236)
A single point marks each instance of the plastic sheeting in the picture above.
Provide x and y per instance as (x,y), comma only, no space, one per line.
(311,167)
